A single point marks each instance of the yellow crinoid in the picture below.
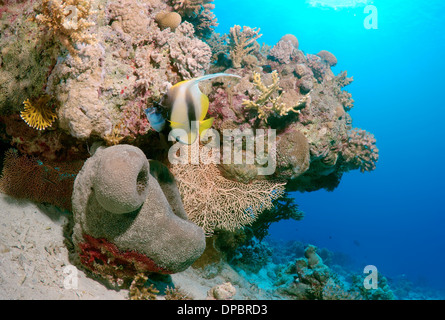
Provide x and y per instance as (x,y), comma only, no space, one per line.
(39,114)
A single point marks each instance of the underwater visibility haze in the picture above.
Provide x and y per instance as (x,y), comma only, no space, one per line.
(106,109)
(392,217)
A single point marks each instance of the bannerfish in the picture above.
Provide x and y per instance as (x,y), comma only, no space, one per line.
(188,107)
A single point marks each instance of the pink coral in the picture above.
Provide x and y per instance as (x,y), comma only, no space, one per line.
(134,121)
(360,151)
(317,66)
(197,12)
(190,55)
(187,54)
(284,51)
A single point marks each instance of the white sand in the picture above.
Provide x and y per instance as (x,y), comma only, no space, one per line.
(33,258)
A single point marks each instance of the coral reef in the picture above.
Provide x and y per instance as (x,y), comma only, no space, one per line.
(285,50)
(67,20)
(139,291)
(383,291)
(47,145)
(38,115)
(176,294)
(87,70)
(360,151)
(266,104)
(311,276)
(242,42)
(168,20)
(29,178)
(251,256)
(28,54)
(223,291)
(128,212)
(328,58)
(215,202)
(197,12)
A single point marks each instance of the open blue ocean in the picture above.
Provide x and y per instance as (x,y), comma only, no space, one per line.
(393,217)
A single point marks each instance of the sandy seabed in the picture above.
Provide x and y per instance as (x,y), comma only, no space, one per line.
(35,263)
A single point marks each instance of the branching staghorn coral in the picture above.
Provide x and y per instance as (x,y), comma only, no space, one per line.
(214,202)
(38,115)
(242,42)
(269,101)
(67,20)
(139,290)
(176,293)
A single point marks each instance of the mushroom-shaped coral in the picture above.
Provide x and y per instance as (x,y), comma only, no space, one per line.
(129,216)
(168,20)
(327,57)
(293,156)
(291,38)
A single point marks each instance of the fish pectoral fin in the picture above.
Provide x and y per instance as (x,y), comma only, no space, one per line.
(205,125)
(177,125)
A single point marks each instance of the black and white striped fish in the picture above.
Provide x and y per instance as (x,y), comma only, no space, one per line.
(188,107)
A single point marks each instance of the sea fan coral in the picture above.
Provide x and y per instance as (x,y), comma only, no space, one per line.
(67,19)
(214,202)
(29,178)
(39,114)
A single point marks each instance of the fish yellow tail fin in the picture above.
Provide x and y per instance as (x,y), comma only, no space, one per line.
(205,125)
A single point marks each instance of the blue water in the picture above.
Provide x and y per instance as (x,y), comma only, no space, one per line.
(393,217)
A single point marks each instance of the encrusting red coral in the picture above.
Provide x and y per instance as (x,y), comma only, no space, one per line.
(104,258)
